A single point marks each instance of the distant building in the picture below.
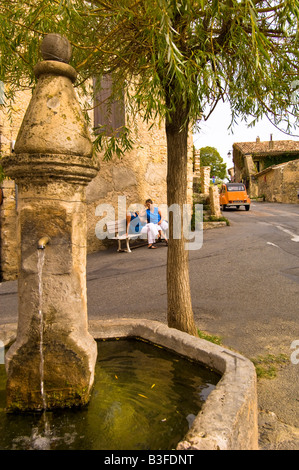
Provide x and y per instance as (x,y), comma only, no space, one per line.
(280,183)
(251,159)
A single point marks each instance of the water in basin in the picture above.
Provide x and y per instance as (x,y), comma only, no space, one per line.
(144,398)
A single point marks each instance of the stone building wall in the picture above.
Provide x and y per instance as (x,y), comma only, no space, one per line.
(139,175)
(280,183)
(9,233)
(10,121)
(253,159)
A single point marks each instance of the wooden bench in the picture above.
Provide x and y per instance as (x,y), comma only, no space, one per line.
(118,229)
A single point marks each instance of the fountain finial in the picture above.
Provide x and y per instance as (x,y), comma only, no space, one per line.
(54,123)
(56,47)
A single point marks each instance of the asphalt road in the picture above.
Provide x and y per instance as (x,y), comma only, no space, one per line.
(247,275)
(244,281)
(244,284)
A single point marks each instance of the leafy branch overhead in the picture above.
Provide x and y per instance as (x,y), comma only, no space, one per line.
(202,51)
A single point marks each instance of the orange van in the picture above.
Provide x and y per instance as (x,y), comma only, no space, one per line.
(234,194)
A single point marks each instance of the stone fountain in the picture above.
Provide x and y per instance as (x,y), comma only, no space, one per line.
(52,360)
(52,164)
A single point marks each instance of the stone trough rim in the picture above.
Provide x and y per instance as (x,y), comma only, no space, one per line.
(229,417)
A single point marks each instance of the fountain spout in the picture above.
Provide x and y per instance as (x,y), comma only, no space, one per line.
(42,242)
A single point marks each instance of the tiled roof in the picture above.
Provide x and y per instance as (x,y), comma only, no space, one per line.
(268,147)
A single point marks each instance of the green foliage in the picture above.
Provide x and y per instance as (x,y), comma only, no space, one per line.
(2,175)
(212,338)
(114,145)
(266,366)
(277,159)
(209,156)
(213,218)
(172,54)
(207,218)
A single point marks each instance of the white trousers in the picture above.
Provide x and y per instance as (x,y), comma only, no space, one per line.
(151,231)
(163,226)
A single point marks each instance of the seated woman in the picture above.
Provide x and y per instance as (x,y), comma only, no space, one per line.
(154,216)
(137,223)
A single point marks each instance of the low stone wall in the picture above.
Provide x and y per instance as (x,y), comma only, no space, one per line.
(211,225)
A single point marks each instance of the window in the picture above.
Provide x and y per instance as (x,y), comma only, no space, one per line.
(257,165)
(235,187)
(109,117)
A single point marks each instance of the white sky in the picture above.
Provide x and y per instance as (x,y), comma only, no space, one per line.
(214,132)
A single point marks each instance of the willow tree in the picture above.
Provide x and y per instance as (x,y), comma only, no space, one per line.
(176,60)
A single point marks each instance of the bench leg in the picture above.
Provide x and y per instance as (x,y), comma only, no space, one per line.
(128,245)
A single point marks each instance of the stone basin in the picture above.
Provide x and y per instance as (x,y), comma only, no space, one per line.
(229,417)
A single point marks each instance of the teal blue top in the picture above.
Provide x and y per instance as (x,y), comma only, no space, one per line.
(153,217)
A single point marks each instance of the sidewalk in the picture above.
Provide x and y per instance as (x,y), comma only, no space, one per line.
(133,285)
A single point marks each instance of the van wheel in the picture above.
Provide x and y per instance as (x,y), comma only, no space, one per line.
(247,208)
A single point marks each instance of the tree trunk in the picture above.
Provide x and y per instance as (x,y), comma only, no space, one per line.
(179,310)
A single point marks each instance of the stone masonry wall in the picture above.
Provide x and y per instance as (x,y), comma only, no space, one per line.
(9,233)
(290,187)
(139,175)
(10,121)
(205,179)
(214,201)
(280,183)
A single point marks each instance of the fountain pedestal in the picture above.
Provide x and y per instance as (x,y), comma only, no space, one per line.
(52,164)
